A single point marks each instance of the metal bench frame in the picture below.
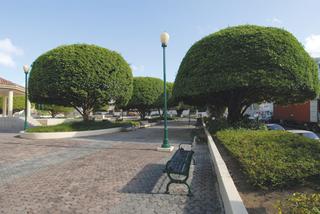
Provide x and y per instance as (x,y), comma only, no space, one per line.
(186,174)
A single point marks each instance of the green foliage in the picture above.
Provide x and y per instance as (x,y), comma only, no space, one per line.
(299,203)
(241,65)
(82,126)
(273,159)
(82,76)
(222,124)
(146,93)
(170,102)
(54,109)
(180,107)
(18,103)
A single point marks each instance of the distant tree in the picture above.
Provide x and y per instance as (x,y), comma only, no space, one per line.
(54,109)
(146,93)
(160,102)
(83,76)
(238,66)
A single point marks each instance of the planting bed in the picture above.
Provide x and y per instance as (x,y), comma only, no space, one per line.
(269,166)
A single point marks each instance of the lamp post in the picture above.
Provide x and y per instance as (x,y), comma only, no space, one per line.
(26,69)
(164,38)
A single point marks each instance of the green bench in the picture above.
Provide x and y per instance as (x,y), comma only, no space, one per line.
(177,168)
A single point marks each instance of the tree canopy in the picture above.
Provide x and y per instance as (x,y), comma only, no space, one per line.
(82,76)
(146,94)
(241,65)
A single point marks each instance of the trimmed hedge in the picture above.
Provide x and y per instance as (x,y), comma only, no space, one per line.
(222,123)
(273,159)
(301,203)
(82,126)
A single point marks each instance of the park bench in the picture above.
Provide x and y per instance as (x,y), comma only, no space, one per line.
(177,168)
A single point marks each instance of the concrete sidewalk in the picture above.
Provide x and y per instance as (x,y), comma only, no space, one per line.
(115,173)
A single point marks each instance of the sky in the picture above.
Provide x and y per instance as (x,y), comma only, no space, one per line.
(29,28)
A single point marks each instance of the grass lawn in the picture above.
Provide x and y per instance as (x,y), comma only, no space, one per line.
(82,126)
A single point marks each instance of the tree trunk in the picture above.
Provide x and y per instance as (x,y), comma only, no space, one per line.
(85,117)
(53,114)
(142,115)
(216,111)
(234,112)
(86,114)
(179,112)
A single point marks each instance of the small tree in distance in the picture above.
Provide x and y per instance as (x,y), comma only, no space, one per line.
(146,94)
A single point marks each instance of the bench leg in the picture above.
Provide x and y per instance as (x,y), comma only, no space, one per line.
(189,190)
(167,189)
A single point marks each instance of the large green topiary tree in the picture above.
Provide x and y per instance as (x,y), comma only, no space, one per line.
(160,102)
(146,93)
(241,65)
(82,76)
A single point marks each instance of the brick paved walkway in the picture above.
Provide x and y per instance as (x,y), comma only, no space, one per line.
(115,173)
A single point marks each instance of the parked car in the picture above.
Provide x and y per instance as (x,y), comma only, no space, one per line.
(305,133)
(274,126)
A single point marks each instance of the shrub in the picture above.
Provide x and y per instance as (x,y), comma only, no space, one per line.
(82,126)
(82,76)
(273,159)
(222,124)
(301,203)
(241,65)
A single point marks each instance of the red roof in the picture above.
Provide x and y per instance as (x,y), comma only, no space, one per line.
(6,82)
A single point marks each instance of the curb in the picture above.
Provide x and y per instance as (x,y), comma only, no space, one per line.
(231,199)
(61,135)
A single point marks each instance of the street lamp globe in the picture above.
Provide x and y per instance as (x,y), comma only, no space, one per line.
(164,38)
(26,68)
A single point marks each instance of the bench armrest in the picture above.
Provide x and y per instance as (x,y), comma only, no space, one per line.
(180,145)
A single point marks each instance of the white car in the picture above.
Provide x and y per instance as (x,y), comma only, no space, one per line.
(274,126)
(305,133)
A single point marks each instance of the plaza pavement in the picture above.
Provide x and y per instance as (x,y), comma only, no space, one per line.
(114,173)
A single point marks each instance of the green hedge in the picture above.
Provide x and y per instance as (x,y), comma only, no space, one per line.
(273,159)
(222,123)
(82,126)
(301,203)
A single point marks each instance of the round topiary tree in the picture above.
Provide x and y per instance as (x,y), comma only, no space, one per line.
(241,65)
(146,93)
(82,76)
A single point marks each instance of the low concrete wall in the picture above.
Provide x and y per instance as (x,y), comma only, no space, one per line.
(59,135)
(51,121)
(230,196)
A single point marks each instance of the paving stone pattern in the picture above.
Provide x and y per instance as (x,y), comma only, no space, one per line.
(115,173)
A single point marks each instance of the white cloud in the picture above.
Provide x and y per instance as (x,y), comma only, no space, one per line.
(6,60)
(276,20)
(312,45)
(137,67)
(7,52)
